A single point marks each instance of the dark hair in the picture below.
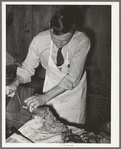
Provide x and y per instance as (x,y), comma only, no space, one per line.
(62,22)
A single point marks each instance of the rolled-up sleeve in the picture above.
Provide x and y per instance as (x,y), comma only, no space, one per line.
(77,63)
(30,63)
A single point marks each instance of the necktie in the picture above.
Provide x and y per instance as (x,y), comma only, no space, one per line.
(60,59)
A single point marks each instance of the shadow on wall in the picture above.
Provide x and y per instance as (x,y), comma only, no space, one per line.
(89,32)
(78,12)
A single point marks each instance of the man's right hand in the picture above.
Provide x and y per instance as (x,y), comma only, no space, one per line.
(10,90)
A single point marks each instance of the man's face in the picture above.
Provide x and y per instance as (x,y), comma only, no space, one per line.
(61,40)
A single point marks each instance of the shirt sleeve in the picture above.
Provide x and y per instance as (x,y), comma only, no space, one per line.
(30,63)
(77,63)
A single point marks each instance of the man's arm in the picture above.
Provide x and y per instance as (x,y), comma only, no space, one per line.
(10,90)
(41,99)
(55,91)
(77,63)
(17,81)
(27,69)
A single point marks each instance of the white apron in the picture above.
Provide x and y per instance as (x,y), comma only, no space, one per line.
(71,104)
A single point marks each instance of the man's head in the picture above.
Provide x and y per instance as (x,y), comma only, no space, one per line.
(62,28)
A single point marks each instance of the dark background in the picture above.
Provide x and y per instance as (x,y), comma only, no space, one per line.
(23,22)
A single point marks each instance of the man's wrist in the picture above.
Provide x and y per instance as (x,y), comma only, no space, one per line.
(47,98)
(42,97)
(17,81)
(15,84)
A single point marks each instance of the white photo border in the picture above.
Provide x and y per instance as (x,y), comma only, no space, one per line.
(114,74)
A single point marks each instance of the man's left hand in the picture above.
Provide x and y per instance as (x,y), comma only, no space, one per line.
(35,101)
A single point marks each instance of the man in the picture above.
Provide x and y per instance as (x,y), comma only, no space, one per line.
(62,51)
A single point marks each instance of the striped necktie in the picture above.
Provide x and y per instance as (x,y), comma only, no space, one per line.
(60,59)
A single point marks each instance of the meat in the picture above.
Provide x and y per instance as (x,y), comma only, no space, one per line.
(50,123)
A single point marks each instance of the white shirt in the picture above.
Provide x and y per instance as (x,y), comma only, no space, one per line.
(39,51)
